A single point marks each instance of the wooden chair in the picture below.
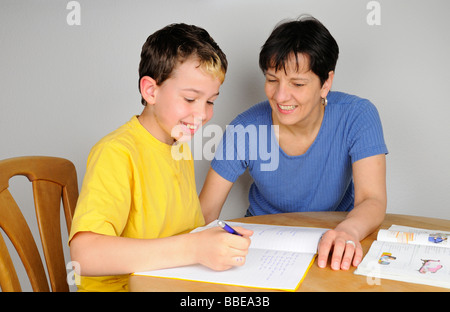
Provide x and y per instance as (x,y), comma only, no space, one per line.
(52,179)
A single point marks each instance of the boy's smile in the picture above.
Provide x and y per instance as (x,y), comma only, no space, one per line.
(192,128)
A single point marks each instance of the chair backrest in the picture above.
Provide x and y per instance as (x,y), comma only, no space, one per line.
(52,179)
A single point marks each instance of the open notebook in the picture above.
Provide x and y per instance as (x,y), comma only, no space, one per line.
(279,258)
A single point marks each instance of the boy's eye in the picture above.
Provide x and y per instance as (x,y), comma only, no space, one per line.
(210,102)
(189,100)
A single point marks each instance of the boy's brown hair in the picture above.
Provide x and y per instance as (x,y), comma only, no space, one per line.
(172,45)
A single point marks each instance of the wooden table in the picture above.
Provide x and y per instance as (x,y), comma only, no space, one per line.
(317,279)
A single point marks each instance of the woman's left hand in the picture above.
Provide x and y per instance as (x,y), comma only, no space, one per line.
(345,250)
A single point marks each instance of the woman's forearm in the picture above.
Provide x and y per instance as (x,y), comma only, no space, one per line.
(213,195)
(364,219)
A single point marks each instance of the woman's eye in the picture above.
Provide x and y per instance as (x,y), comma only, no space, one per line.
(189,100)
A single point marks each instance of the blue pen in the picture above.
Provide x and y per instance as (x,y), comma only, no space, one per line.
(227,228)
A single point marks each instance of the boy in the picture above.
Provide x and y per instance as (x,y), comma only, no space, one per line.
(135,196)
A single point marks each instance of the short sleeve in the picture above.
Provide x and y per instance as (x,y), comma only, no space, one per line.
(365,137)
(104,202)
(230,160)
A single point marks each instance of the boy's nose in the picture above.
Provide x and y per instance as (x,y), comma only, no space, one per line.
(200,112)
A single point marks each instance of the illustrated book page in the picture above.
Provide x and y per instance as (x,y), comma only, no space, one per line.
(409,255)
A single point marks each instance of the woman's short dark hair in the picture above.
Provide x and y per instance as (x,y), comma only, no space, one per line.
(305,35)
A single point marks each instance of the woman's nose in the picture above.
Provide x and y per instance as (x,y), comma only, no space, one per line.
(281,93)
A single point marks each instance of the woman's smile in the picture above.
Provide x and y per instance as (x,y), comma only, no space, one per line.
(286,109)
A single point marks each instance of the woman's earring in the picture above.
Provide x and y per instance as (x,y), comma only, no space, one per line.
(324,101)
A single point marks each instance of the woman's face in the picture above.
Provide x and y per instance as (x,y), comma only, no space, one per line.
(295,94)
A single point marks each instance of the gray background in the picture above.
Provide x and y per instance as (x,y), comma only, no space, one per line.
(64,87)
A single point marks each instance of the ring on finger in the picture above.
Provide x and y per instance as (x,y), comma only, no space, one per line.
(350,242)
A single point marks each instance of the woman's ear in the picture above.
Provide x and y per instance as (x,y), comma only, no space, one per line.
(148,89)
(326,87)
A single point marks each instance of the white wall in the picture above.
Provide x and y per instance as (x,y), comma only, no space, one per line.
(63,87)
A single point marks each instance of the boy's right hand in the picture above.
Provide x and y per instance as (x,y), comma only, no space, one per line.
(220,250)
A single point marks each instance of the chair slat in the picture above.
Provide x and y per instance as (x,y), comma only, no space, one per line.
(15,226)
(8,276)
(54,181)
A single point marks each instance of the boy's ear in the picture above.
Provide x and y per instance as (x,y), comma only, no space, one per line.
(148,88)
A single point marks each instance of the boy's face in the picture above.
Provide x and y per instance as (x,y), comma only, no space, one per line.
(182,103)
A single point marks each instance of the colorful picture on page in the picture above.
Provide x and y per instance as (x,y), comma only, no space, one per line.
(438,238)
(430,266)
(403,237)
(386,258)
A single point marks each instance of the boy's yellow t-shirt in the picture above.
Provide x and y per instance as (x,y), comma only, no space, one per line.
(134,187)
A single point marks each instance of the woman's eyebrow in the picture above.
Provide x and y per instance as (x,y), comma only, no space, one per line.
(300,78)
(291,78)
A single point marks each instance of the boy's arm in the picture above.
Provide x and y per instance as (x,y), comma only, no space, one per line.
(213,195)
(99,255)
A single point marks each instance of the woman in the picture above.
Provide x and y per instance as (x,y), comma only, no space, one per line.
(331,145)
